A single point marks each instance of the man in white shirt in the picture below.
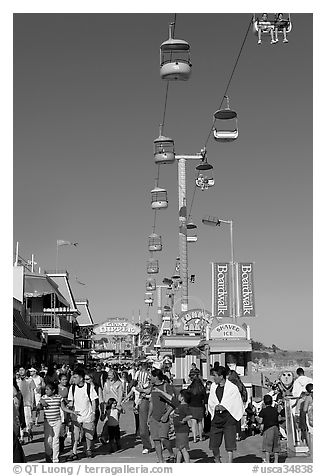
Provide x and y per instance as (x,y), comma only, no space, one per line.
(82,397)
(299,387)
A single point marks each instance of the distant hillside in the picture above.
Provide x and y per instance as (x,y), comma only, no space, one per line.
(270,356)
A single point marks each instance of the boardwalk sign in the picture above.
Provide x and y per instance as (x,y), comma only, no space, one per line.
(246,290)
(222,290)
(116,328)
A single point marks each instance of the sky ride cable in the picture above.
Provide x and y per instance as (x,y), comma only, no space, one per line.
(223,97)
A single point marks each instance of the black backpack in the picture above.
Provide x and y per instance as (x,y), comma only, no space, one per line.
(88,390)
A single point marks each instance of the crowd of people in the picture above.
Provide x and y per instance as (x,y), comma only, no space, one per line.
(73,402)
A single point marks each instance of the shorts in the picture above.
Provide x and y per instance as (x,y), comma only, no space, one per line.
(88,428)
(158,429)
(271,440)
(216,437)
(182,441)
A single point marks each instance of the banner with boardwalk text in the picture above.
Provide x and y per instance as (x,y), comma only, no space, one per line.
(246,303)
(221,276)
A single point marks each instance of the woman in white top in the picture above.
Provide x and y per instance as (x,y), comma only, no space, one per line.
(113,388)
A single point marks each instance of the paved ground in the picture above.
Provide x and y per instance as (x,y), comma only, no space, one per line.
(248,451)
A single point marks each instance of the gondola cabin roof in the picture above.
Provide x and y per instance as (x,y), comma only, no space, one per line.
(191,226)
(225,114)
(173,44)
(162,139)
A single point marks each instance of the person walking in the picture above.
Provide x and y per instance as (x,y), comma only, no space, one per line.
(226,408)
(143,386)
(269,418)
(113,388)
(52,403)
(39,388)
(82,398)
(308,411)
(111,429)
(182,415)
(27,386)
(159,413)
(197,405)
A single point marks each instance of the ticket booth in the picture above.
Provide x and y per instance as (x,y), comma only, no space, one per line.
(229,343)
(189,329)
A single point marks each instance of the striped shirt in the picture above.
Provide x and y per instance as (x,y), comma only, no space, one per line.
(52,411)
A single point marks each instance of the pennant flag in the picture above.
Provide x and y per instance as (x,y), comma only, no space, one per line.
(63,242)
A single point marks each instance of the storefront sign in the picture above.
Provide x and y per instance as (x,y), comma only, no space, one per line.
(116,328)
(228,331)
(246,290)
(221,290)
(193,321)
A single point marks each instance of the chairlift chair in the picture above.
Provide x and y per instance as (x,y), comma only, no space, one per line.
(163,149)
(152,266)
(231,133)
(204,182)
(159,198)
(154,242)
(175,62)
(191,232)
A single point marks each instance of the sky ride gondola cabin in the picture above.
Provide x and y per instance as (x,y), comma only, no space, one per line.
(149,299)
(152,266)
(231,132)
(150,284)
(164,150)
(154,242)
(159,198)
(191,232)
(175,62)
(204,182)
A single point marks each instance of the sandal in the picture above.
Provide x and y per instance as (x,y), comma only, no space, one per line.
(171,459)
(72,457)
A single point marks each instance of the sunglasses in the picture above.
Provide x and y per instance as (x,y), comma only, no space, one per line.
(87,379)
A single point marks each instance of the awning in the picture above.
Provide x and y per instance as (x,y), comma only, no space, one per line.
(23,334)
(224,345)
(37,285)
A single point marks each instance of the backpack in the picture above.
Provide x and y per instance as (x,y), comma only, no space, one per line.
(88,390)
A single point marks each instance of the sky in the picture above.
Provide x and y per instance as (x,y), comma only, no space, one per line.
(88,101)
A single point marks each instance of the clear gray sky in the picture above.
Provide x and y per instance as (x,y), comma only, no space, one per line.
(88,101)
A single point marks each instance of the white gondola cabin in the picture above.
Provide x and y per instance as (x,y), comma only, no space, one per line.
(164,149)
(154,242)
(150,284)
(152,266)
(230,132)
(149,299)
(191,232)
(175,62)
(159,198)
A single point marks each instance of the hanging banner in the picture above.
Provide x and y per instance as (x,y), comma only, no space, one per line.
(222,290)
(246,290)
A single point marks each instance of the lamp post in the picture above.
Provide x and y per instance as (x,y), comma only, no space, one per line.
(214,221)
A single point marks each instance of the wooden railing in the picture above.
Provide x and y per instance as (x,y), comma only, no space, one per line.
(50,321)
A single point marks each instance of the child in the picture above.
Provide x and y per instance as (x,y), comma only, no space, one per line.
(269,417)
(180,420)
(63,389)
(51,402)
(111,429)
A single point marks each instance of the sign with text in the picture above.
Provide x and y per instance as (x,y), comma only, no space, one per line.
(193,321)
(116,328)
(246,290)
(222,290)
(228,331)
